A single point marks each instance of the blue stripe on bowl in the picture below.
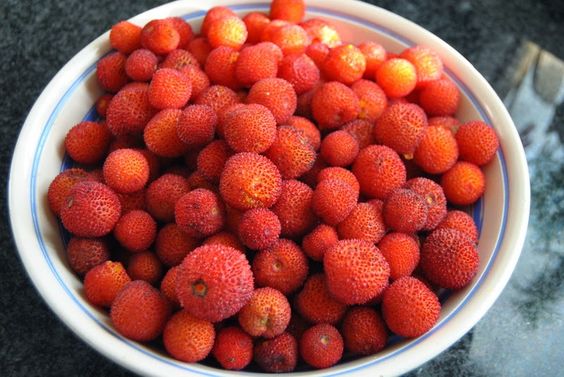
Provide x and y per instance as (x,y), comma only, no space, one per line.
(477,210)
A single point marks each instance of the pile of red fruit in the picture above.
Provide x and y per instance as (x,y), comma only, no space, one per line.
(263,191)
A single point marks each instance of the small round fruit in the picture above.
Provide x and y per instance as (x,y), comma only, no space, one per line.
(477,142)
(267,313)
(464,183)
(188,338)
(233,348)
(141,325)
(449,258)
(214,282)
(364,331)
(409,308)
(356,271)
(321,346)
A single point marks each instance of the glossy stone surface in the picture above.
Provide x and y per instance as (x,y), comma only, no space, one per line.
(522,335)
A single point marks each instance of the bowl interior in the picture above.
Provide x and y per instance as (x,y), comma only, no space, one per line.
(73,101)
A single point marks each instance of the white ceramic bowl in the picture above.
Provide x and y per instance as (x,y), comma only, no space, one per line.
(502,214)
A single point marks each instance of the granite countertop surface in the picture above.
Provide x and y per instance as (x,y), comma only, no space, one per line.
(515,45)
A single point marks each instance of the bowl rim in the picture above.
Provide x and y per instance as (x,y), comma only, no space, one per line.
(494,108)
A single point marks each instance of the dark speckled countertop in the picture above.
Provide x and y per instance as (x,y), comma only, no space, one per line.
(515,45)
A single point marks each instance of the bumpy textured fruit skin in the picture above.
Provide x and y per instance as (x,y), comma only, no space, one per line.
(293,208)
(321,346)
(198,78)
(356,271)
(339,148)
(87,142)
(460,221)
(401,127)
(226,239)
(136,230)
(267,313)
(277,355)
(339,173)
(365,222)
(435,198)
(379,171)
(169,89)
(334,104)
(309,129)
(259,228)
(283,266)
(61,185)
(250,181)
(214,14)
(219,98)
(196,126)
(316,304)
(277,95)
(291,152)
(300,71)
(220,67)
(140,325)
(292,39)
(345,63)
(406,211)
(256,63)
(91,209)
(449,258)
(85,253)
(162,194)
(228,31)
(141,65)
(145,266)
(200,213)
(440,98)
(372,100)
(409,308)
(233,348)
(250,128)
(427,63)
(103,282)
(397,77)
(316,242)
(437,150)
(126,170)
(333,200)
(168,286)
(161,137)
(110,72)
(129,110)
(125,37)
(464,183)
(214,282)
(160,36)
(477,142)
(364,331)
(401,251)
(179,59)
(212,158)
(188,338)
